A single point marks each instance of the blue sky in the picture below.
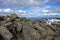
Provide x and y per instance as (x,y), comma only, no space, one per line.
(31,8)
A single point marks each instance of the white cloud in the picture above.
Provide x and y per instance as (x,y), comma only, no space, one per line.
(20,11)
(51,14)
(6,10)
(0,10)
(44,11)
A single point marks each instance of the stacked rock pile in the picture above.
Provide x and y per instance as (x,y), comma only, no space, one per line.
(13,27)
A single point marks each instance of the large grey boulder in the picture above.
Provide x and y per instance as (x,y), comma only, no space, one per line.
(30,33)
(5,33)
(57,38)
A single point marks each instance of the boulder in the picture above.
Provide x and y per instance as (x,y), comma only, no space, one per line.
(5,33)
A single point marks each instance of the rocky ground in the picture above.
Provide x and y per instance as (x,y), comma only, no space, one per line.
(13,27)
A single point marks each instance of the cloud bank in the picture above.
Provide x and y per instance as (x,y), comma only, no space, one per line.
(40,7)
(32,12)
(22,2)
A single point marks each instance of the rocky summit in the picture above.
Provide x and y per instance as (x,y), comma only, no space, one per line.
(13,27)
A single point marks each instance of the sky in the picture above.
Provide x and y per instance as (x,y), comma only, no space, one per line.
(31,8)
